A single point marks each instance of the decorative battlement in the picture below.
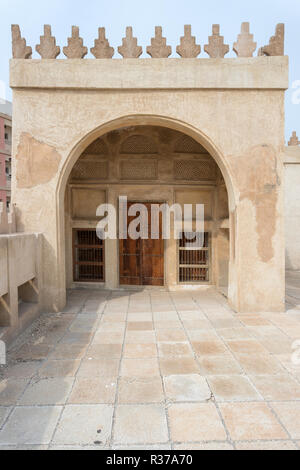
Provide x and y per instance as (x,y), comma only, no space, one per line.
(7,220)
(216,47)
(294,141)
(245,45)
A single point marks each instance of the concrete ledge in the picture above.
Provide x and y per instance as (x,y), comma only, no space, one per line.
(20,282)
(243,73)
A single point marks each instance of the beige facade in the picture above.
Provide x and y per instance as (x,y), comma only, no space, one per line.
(229,113)
(172,346)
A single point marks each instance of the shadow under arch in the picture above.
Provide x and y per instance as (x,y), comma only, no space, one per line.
(115,124)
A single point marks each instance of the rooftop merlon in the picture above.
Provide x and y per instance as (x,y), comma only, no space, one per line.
(245,46)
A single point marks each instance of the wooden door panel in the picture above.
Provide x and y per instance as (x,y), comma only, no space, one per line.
(153,270)
(142,261)
(130,247)
(152,281)
(152,267)
(130,260)
(130,265)
(130,272)
(153,247)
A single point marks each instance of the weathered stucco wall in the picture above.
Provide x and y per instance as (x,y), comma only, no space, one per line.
(20,282)
(292,207)
(238,116)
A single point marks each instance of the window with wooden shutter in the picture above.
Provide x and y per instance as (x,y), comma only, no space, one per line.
(194,260)
(88,256)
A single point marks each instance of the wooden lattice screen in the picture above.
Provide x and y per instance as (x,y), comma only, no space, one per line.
(88,256)
(194,261)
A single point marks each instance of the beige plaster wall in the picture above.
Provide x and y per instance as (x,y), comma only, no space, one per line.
(20,282)
(292,207)
(240,121)
(251,72)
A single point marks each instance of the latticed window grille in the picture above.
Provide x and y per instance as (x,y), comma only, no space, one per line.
(88,256)
(194,260)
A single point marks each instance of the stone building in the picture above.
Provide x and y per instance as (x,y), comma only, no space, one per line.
(160,130)
(5,153)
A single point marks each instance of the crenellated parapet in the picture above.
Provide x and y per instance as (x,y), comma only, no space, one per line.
(20,50)
(75,48)
(47,47)
(188,47)
(245,45)
(130,48)
(216,47)
(294,141)
(276,44)
(102,49)
(159,47)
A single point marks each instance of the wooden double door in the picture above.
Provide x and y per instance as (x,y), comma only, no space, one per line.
(142,260)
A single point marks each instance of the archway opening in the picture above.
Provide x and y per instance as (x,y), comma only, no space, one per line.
(149,164)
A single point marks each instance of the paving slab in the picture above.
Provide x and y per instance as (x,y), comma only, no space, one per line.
(4,411)
(47,391)
(93,390)
(140,390)
(140,424)
(193,422)
(103,367)
(232,388)
(84,424)
(204,446)
(280,387)
(186,388)
(146,350)
(219,365)
(251,421)
(145,367)
(178,365)
(11,390)
(30,425)
(289,415)
(21,370)
(266,445)
(59,368)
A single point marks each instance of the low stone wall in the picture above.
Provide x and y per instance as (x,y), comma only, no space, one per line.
(20,282)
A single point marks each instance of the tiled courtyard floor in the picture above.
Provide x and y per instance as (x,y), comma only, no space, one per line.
(153,370)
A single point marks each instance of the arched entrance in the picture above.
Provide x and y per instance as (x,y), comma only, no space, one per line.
(148,159)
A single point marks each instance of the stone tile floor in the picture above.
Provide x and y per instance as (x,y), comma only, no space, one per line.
(153,370)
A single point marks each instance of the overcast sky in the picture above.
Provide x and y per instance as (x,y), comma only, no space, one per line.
(115,15)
